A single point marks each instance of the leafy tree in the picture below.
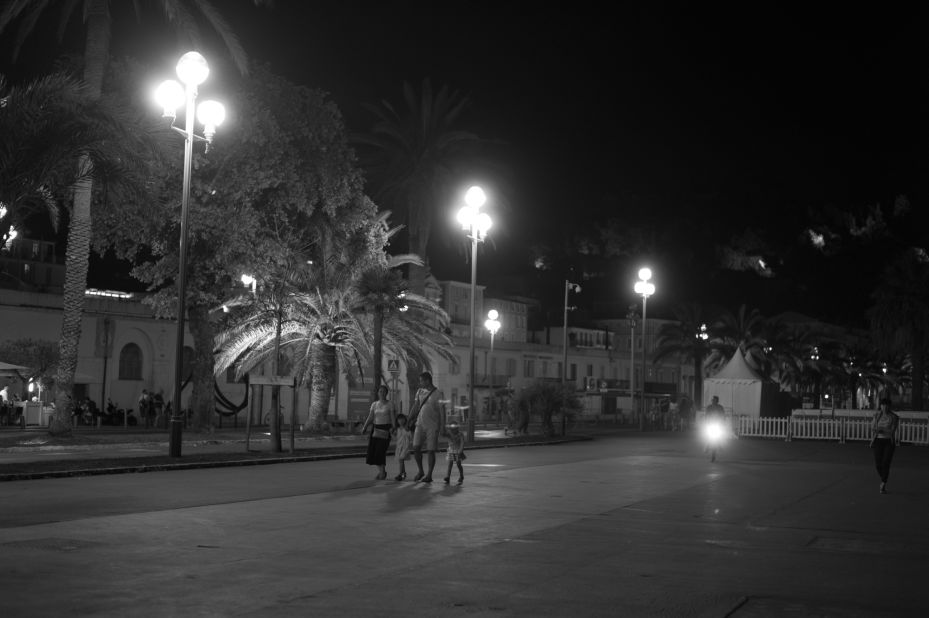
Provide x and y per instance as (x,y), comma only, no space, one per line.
(899,314)
(97,22)
(546,398)
(284,180)
(39,355)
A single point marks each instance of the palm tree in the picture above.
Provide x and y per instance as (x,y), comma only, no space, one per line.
(686,339)
(326,326)
(382,290)
(97,22)
(47,125)
(737,331)
(412,155)
(899,314)
(57,141)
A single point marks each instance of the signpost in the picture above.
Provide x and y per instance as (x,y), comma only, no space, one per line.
(393,367)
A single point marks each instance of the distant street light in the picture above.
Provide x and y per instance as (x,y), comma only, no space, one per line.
(645,288)
(568,287)
(192,69)
(492,324)
(476,224)
(701,336)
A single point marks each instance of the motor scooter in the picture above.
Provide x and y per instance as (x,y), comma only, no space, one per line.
(714,433)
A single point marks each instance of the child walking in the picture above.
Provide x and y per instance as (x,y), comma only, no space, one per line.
(404,439)
(455,452)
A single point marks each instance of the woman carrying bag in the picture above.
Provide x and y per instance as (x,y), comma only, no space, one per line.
(883,440)
(382,417)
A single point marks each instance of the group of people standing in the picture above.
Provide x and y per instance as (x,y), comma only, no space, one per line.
(416,433)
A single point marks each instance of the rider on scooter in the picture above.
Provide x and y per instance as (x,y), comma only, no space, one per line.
(714,426)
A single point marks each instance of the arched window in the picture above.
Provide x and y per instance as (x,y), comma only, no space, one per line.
(130,362)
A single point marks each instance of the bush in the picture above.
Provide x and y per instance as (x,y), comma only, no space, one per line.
(547,398)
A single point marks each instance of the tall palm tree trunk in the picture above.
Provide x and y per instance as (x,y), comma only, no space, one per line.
(202,399)
(72,305)
(378,350)
(77,252)
(417,274)
(323,371)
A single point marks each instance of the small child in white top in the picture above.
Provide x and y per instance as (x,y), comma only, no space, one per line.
(402,451)
(455,452)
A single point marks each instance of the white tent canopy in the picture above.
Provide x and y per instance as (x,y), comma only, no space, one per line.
(739,388)
(10,370)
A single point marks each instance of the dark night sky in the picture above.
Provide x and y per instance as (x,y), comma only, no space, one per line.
(707,119)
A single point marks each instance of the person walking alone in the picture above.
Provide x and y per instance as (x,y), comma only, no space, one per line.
(883,440)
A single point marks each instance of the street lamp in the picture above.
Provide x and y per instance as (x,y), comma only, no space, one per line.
(568,287)
(701,336)
(644,287)
(631,322)
(492,324)
(250,282)
(192,69)
(476,224)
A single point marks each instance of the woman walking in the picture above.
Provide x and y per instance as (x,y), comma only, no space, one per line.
(382,417)
(883,438)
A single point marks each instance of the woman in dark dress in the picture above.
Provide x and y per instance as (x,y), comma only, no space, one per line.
(883,440)
(382,417)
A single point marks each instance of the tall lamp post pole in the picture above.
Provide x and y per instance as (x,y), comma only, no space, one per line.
(492,324)
(645,288)
(192,69)
(568,287)
(476,224)
(701,335)
(631,321)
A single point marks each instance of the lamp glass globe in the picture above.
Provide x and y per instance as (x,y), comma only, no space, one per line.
(193,69)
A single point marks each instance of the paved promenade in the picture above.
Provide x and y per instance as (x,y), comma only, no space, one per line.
(621,525)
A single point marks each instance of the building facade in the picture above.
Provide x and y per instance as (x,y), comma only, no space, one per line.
(125,349)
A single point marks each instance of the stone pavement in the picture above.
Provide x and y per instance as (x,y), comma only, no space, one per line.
(625,525)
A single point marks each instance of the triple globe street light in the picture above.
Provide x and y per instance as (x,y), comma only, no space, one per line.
(476,224)
(192,69)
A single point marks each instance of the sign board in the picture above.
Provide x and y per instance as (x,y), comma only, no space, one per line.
(393,366)
(272,380)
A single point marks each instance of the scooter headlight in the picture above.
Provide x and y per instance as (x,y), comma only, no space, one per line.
(713,431)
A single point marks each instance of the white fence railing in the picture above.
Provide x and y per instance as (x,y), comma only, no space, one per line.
(842,429)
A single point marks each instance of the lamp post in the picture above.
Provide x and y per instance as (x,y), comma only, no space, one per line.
(476,224)
(568,287)
(492,324)
(702,336)
(644,287)
(631,321)
(192,69)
